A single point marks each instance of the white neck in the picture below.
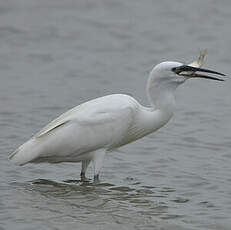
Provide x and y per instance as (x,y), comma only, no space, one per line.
(161,94)
(161,86)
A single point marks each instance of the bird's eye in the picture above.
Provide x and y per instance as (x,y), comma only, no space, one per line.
(176,70)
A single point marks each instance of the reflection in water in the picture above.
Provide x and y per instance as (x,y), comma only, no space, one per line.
(86,202)
(102,196)
(75,188)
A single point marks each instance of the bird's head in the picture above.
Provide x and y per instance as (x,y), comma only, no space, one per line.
(175,73)
(167,76)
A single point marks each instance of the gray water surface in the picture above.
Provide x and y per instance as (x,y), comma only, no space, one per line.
(56,54)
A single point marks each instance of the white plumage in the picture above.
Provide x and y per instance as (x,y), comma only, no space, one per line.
(104,123)
(88,131)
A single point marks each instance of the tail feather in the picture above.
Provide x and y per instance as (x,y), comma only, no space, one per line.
(13,154)
(24,154)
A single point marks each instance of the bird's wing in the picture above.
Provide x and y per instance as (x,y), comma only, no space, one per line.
(79,112)
(95,112)
(95,124)
(51,127)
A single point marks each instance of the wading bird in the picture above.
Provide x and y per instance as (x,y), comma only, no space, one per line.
(90,130)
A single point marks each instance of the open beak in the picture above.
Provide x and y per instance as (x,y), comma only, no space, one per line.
(190,71)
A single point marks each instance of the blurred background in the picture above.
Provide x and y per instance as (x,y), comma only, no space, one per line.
(56,54)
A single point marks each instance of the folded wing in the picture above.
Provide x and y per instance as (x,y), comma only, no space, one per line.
(99,123)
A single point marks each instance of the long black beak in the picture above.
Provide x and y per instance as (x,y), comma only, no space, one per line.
(190,71)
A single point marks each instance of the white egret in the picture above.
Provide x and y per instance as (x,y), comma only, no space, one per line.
(90,130)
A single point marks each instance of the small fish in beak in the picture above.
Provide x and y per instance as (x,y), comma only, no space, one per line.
(200,60)
(196,63)
(190,70)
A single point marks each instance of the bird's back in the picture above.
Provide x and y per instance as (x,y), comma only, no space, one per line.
(99,123)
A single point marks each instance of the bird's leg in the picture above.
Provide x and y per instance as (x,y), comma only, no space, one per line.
(85,164)
(96,178)
(98,159)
